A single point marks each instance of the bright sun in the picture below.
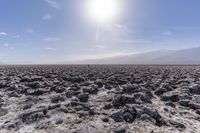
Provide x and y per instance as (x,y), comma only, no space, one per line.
(102,11)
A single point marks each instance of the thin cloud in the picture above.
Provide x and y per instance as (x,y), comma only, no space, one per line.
(47,17)
(50,49)
(53,3)
(167,33)
(3,34)
(51,39)
(29,30)
(6,44)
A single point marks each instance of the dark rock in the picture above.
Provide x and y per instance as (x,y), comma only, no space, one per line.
(197,111)
(170,104)
(13,94)
(177,124)
(3,83)
(117,117)
(27,106)
(77,79)
(160,91)
(129,88)
(195,89)
(108,86)
(31,117)
(57,99)
(185,103)
(83,97)
(92,111)
(194,105)
(122,130)
(107,106)
(104,119)
(172,98)
(159,121)
(37,92)
(58,89)
(99,83)
(51,107)
(71,93)
(90,90)
(59,121)
(3,112)
(129,114)
(119,101)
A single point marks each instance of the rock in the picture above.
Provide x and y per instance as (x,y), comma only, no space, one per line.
(172,98)
(83,97)
(159,121)
(71,93)
(129,88)
(147,118)
(194,105)
(117,117)
(31,117)
(3,112)
(59,121)
(197,99)
(51,107)
(90,90)
(185,103)
(104,119)
(122,130)
(177,124)
(195,89)
(77,79)
(142,98)
(160,91)
(58,89)
(13,94)
(121,100)
(27,106)
(197,111)
(107,106)
(108,86)
(99,83)
(129,114)
(36,92)
(170,104)
(3,83)
(57,99)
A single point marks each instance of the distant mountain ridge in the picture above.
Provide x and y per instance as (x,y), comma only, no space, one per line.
(185,56)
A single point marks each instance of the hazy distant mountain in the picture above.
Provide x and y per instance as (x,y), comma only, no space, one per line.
(186,56)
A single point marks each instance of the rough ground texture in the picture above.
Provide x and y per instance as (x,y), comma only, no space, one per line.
(99,99)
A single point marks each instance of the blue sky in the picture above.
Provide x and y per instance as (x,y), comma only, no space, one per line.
(58,31)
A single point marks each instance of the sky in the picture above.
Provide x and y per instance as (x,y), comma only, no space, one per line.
(60,31)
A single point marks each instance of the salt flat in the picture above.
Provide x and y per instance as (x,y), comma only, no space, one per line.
(99,98)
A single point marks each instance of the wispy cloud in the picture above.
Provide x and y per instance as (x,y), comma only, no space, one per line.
(51,39)
(29,30)
(167,33)
(47,17)
(53,3)
(121,26)
(3,34)
(6,44)
(16,36)
(50,48)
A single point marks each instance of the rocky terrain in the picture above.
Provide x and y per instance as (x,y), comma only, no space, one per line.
(99,99)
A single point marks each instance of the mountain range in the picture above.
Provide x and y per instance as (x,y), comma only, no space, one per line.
(184,56)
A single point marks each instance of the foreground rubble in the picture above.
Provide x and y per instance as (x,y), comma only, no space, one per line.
(99,98)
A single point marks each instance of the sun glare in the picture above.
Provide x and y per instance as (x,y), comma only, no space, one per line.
(102,11)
